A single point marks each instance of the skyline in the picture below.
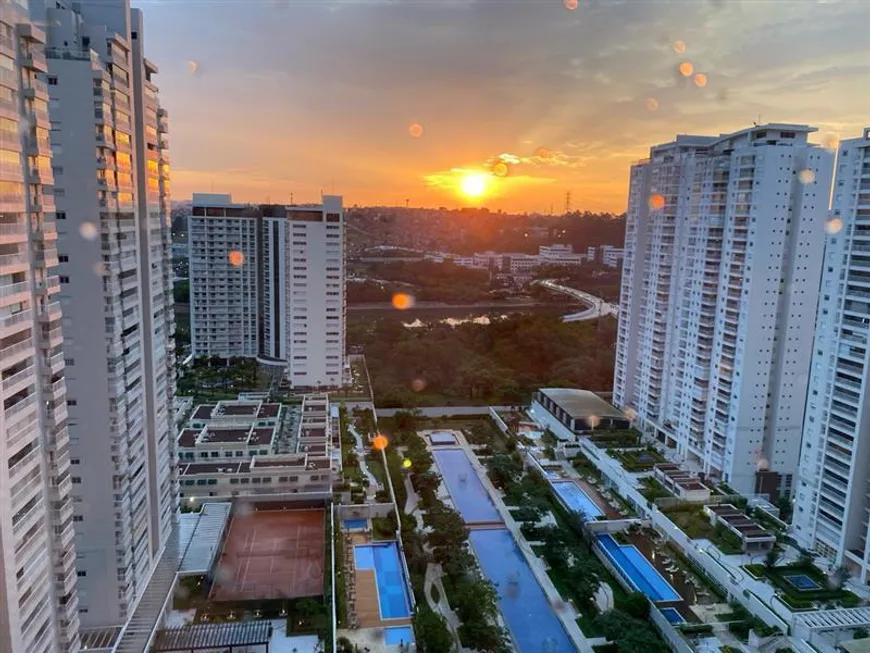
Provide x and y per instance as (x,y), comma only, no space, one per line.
(566,96)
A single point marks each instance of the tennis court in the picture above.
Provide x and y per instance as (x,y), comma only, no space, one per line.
(274,554)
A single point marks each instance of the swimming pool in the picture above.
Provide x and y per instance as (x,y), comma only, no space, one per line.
(576,499)
(637,570)
(672,615)
(531,621)
(442,437)
(355,524)
(465,488)
(383,559)
(398,635)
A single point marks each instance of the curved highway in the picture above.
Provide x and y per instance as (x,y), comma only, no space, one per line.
(597,307)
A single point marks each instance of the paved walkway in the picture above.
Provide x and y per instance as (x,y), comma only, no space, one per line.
(568,616)
(374,486)
(413,498)
(433,578)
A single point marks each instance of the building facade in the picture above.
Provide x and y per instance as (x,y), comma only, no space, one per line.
(268,281)
(38,598)
(111,181)
(723,254)
(831,503)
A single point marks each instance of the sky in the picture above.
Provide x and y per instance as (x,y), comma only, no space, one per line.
(388,101)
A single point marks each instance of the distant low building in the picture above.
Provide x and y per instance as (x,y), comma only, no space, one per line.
(559,254)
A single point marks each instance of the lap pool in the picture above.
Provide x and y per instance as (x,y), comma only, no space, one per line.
(397,635)
(531,621)
(383,559)
(465,488)
(637,570)
(573,496)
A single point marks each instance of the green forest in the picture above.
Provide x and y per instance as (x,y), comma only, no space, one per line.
(499,363)
(426,280)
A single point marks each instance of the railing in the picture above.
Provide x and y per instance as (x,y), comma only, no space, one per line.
(18,377)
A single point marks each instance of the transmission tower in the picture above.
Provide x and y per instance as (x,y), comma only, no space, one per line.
(567,202)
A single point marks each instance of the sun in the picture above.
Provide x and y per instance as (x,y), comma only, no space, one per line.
(473,185)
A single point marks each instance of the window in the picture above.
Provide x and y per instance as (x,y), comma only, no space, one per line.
(64,279)
(52,80)
(60,215)
(78,518)
(76,480)
(72,402)
(63,258)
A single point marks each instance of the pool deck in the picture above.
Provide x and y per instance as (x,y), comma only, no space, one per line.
(566,617)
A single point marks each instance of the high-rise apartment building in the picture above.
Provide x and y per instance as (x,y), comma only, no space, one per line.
(111,189)
(268,281)
(831,503)
(723,254)
(38,602)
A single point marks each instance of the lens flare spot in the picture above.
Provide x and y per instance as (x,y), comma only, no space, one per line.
(806,176)
(192,67)
(416,130)
(651,104)
(834,226)
(88,230)
(700,80)
(418,385)
(831,141)
(237,259)
(543,153)
(656,202)
(500,169)
(593,421)
(571,5)
(403,301)
(100,269)
(678,46)
(406,463)
(686,68)
(380,442)
(630,413)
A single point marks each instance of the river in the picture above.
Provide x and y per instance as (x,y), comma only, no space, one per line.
(420,316)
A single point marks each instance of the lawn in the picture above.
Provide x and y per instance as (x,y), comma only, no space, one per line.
(651,489)
(697,526)
(803,599)
(638,460)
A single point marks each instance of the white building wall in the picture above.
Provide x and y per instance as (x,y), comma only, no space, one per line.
(831,503)
(716,304)
(115,276)
(38,600)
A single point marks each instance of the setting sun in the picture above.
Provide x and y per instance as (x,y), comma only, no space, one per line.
(473,185)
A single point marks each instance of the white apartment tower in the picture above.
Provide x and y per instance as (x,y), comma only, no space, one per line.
(268,281)
(832,504)
(111,189)
(723,254)
(38,601)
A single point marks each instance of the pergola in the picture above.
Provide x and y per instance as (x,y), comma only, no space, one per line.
(228,636)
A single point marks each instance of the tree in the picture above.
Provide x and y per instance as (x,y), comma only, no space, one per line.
(635,605)
(841,576)
(457,562)
(431,632)
(503,469)
(475,599)
(448,528)
(630,634)
(771,558)
(860,633)
(484,636)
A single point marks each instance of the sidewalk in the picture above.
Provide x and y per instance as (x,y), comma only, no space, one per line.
(374,486)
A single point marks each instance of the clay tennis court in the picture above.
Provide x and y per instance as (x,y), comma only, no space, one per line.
(275,554)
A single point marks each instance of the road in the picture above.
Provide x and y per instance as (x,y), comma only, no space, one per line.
(597,307)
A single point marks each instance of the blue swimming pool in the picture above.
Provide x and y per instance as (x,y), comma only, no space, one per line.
(576,499)
(355,524)
(533,625)
(672,615)
(465,488)
(392,591)
(398,635)
(637,570)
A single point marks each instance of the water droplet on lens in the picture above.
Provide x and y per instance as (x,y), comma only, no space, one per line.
(192,67)
(806,176)
(834,226)
(416,130)
(686,68)
(651,104)
(237,258)
(679,46)
(88,230)
(700,80)
(403,301)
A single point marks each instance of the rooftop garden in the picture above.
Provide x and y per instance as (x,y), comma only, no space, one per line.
(696,525)
(637,460)
(802,585)
(651,489)
(616,438)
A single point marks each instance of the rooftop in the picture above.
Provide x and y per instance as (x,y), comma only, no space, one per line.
(187,437)
(261,436)
(203,411)
(237,408)
(192,637)
(213,435)
(269,410)
(580,403)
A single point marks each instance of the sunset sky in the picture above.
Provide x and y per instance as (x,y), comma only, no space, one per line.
(272,97)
